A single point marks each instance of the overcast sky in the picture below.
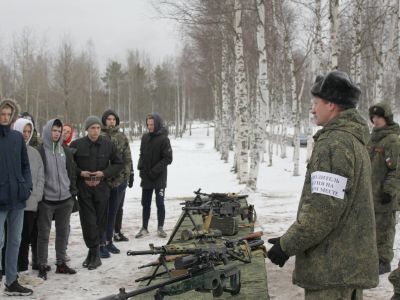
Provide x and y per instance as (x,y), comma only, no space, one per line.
(113,25)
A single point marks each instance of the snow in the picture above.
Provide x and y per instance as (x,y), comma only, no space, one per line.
(196,165)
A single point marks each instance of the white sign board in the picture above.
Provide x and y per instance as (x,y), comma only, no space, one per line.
(328,184)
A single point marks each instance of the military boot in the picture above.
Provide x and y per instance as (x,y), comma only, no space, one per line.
(87,260)
(395,297)
(95,260)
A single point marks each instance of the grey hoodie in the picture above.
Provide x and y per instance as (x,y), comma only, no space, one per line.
(57,183)
(36,166)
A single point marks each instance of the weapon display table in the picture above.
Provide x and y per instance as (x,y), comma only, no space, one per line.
(253,275)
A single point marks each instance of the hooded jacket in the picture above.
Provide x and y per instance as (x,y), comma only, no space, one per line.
(155,155)
(68,140)
(57,182)
(122,144)
(36,167)
(15,174)
(333,236)
(384,151)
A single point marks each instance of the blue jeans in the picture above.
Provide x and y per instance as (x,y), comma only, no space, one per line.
(116,196)
(15,220)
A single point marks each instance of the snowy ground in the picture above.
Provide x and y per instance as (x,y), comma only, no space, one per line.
(195,165)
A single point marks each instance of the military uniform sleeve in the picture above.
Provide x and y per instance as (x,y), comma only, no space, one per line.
(392,180)
(116,164)
(166,158)
(319,213)
(127,158)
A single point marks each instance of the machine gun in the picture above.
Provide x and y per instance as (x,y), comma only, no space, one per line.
(219,211)
(187,235)
(201,274)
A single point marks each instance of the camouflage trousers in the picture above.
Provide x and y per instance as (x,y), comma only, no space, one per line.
(334,294)
(385,232)
(394,278)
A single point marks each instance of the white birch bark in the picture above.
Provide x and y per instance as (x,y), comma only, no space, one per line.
(355,68)
(262,104)
(225,113)
(241,99)
(334,27)
(380,61)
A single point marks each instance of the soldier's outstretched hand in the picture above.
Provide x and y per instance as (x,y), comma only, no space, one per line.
(276,254)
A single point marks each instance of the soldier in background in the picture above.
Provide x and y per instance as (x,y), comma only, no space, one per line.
(110,129)
(384,150)
(333,237)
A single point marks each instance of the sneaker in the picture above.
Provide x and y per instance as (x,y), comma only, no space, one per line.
(111,248)
(384,268)
(36,267)
(43,272)
(161,233)
(64,269)
(104,253)
(15,289)
(142,232)
(119,237)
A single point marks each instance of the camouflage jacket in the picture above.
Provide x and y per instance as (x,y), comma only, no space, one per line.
(121,142)
(333,236)
(384,150)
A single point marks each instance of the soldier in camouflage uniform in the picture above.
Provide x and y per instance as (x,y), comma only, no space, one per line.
(110,129)
(333,237)
(384,149)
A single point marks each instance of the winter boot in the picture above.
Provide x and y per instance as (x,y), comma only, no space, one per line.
(384,267)
(64,269)
(36,267)
(104,253)
(119,237)
(15,289)
(142,232)
(112,249)
(95,260)
(161,233)
(87,260)
(43,272)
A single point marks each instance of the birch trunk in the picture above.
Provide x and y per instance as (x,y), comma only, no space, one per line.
(241,99)
(334,27)
(262,103)
(355,68)
(225,112)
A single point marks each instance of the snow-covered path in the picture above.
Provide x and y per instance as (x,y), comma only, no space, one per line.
(196,165)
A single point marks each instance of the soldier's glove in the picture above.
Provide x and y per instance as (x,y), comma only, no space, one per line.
(276,254)
(130,183)
(386,198)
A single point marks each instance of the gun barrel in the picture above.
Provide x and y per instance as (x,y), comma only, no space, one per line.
(144,252)
(122,295)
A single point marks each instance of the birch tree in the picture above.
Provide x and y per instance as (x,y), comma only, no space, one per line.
(334,28)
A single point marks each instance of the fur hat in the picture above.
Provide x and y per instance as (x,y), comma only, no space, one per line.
(92,120)
(336,87)
(383,110)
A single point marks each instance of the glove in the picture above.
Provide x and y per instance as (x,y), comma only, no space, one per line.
(130,182)
(386,198)
(276,254)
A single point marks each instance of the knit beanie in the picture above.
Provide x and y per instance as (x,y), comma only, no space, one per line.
(92,120)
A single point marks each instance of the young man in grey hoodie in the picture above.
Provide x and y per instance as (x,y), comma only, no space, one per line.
(26,127)
(58,197)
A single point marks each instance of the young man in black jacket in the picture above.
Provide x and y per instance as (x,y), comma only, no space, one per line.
(155,156)
(97,160)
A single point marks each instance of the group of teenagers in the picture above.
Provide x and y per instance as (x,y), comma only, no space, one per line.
(45,179)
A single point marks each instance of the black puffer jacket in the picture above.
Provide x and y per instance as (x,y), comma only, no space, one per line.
(155,156)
